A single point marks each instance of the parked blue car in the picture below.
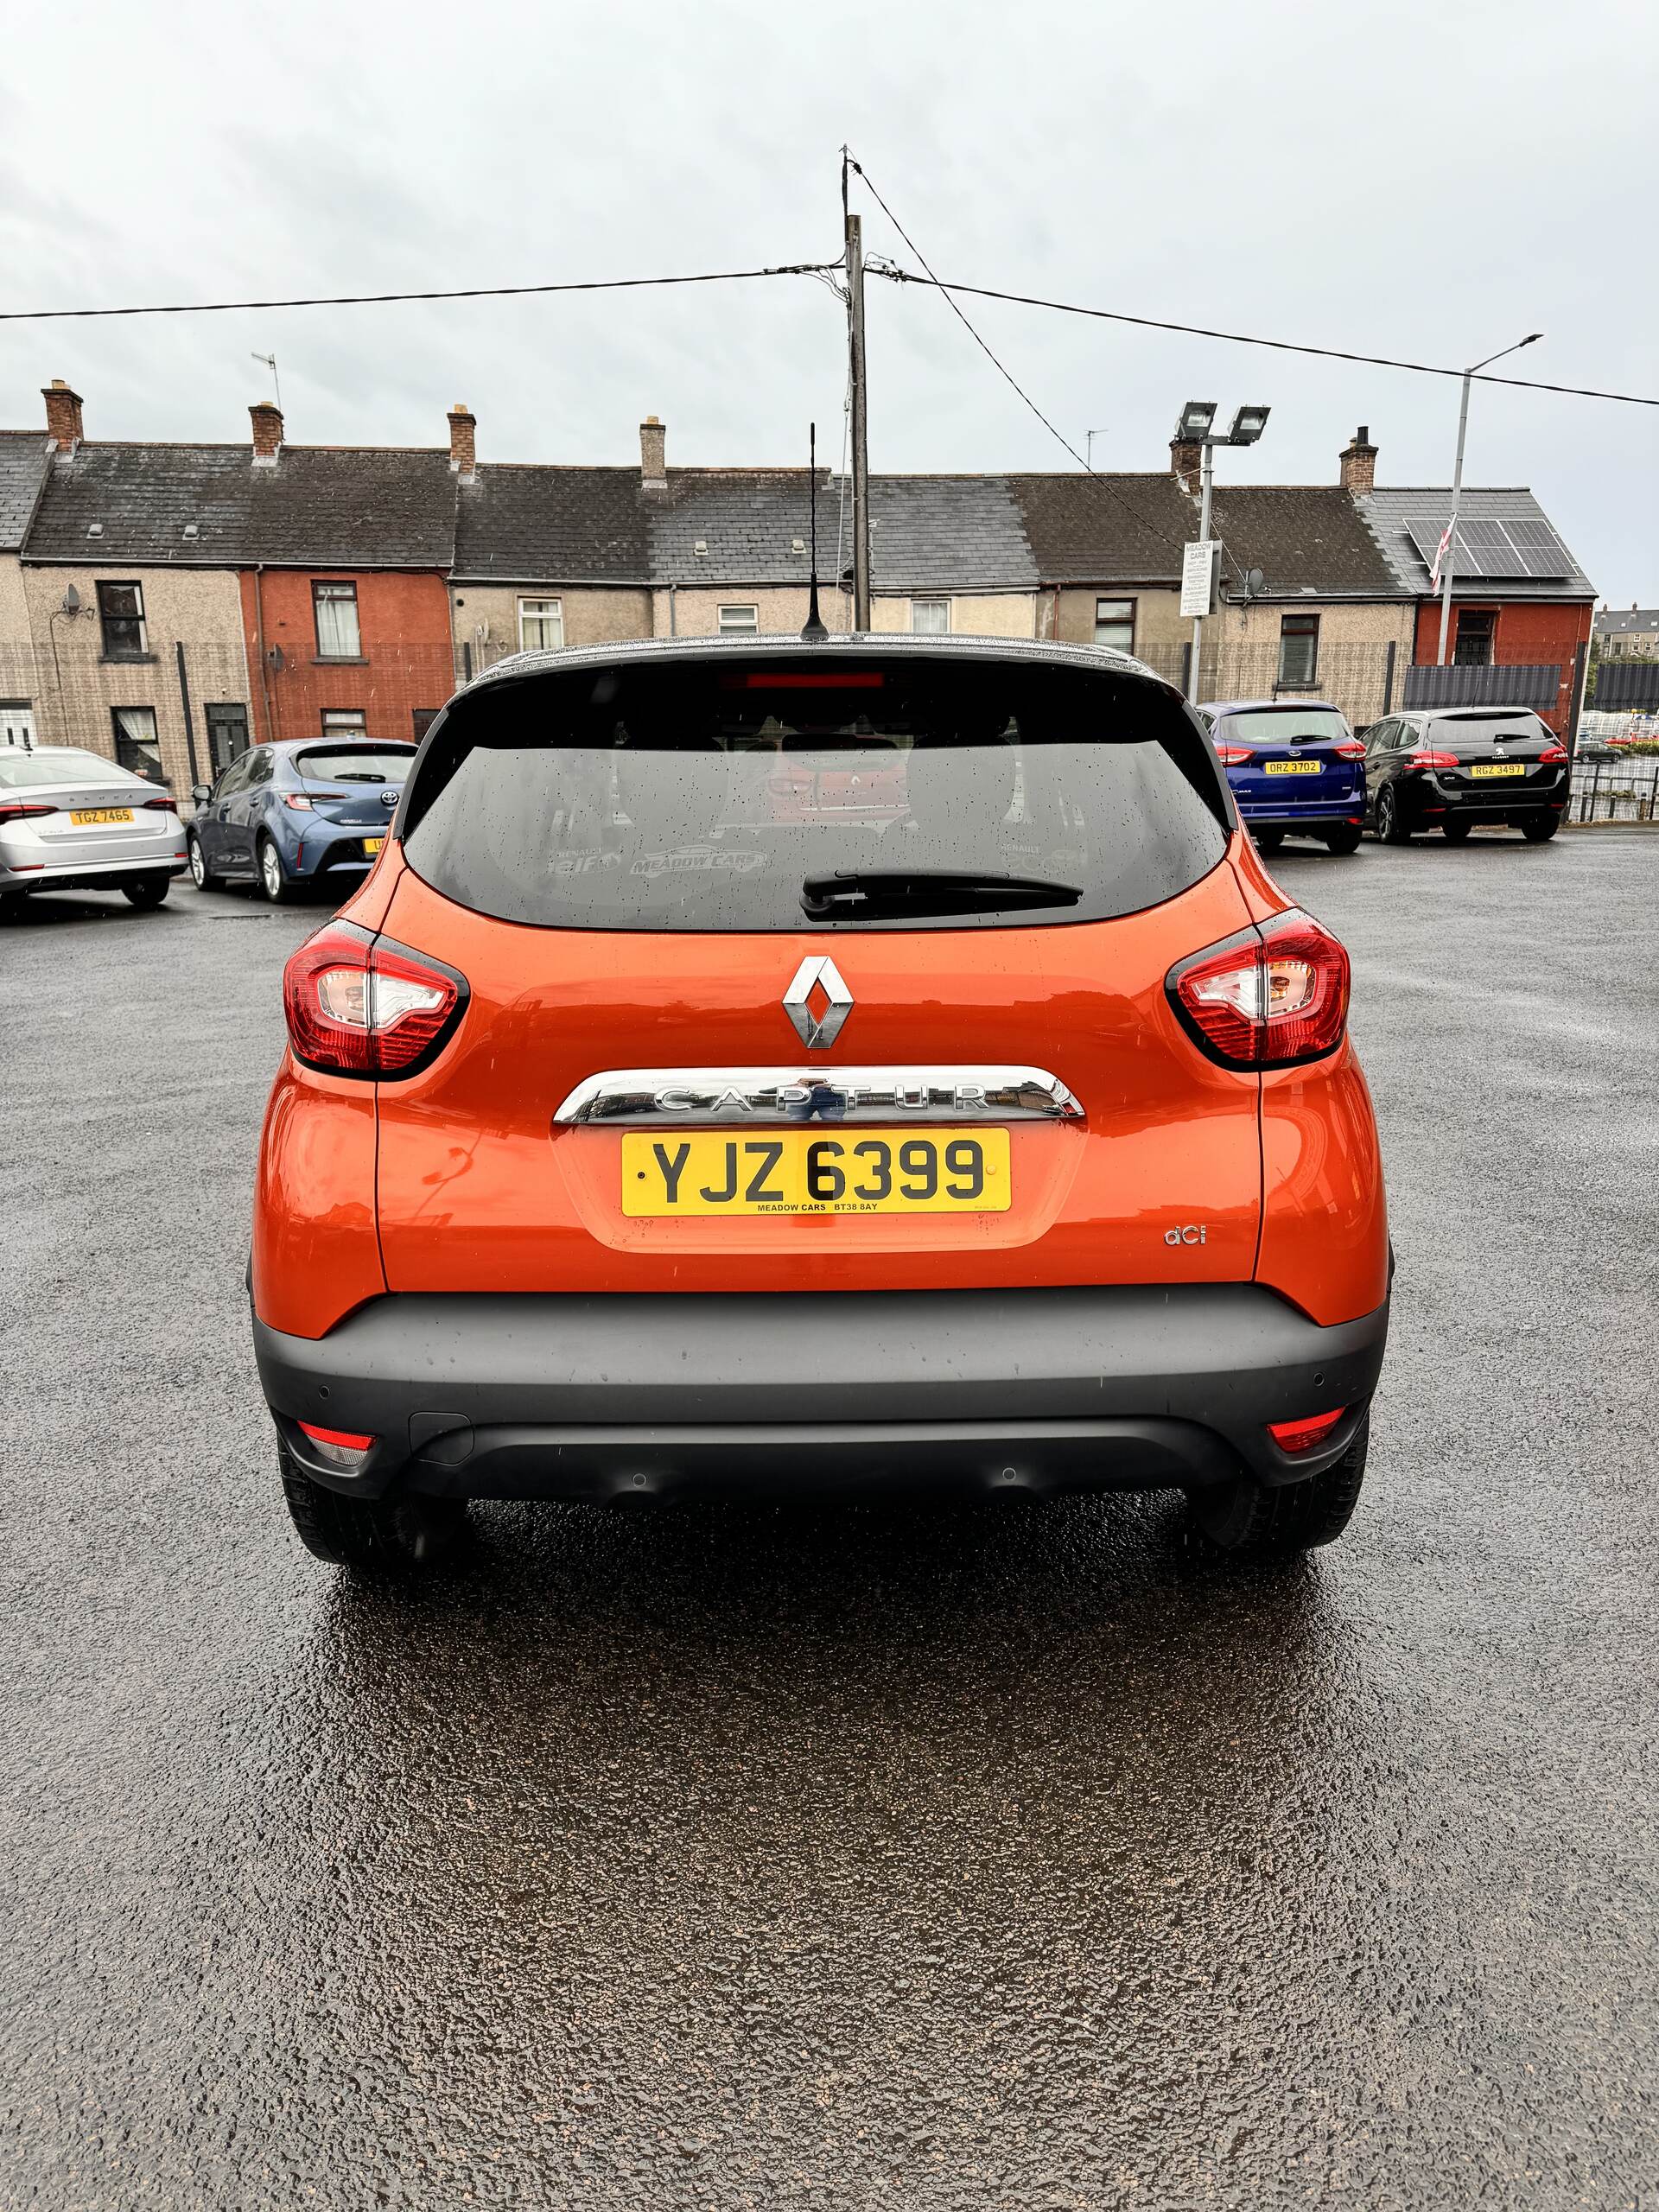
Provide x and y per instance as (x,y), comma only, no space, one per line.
(283,816)
(1296,769)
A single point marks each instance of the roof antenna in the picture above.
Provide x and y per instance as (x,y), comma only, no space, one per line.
(815,630)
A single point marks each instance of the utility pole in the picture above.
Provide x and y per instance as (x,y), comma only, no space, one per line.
(1451,555)
(860,427)
(1207,479)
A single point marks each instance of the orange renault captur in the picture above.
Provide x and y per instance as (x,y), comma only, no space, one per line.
(774,1065)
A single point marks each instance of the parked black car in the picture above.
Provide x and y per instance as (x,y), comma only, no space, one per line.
(1454,768)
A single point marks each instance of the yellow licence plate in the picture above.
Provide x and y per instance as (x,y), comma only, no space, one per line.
(1508,768)
(804,1171)
(1291,767)
(85,814)
(372,845)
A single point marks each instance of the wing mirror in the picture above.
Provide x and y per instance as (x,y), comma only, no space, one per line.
(201,793)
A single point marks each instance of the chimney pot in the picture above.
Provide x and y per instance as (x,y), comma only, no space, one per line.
(62,415)
(267,420)
(1357,463)
(1187,458)
(653,455)
(463,442)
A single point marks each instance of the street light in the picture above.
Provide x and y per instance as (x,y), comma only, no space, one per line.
(1193,430)
(1449,542)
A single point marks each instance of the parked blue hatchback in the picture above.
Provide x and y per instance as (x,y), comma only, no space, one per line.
(283,816)
(1296,769)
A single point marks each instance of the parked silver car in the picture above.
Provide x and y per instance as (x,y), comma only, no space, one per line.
(71,821)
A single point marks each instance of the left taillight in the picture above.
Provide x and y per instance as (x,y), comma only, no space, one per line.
(1233,756)
(1271,997)
(17,810)
(358,1004)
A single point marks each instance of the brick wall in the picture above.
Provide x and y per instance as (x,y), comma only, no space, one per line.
(1528,634)
(407,665)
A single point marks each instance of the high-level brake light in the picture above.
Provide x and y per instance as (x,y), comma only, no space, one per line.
(1268,998)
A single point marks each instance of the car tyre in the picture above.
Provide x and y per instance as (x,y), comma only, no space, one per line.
(378,1537)
(1540,829)
(275,884)
(146,891)
(1267,841)
(1342,839)
(1246,1519)
(1456,833)
(200,874)
(1391,829)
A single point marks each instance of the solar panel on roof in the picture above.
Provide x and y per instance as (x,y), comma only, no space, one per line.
(1484,547)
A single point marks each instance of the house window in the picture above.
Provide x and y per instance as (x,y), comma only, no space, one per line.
(337,636)
(1299,651)
(1114,623)
(735,621)
(121,612)
(541,623)
(137,745)
(424,718)
(1477,627)
(344,721)
(930,617)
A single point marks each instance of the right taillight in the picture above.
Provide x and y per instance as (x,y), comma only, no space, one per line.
(1557,752)
(361,1005)
(1268,998)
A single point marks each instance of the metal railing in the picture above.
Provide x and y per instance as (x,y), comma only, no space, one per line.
(1615,790)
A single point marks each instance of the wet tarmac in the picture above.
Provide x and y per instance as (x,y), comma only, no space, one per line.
(926,1858)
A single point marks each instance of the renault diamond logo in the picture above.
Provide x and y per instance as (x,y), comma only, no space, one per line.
(817,1001)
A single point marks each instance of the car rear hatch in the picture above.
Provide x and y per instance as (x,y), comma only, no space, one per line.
(734,1021)
(1287,759)
(1500,755)
(353,790)
(91,824)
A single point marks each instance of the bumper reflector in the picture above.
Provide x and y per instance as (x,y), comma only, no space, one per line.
(1294,1436)
(338,1448)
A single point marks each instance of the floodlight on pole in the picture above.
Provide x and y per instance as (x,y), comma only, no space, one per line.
(1448,557)
(1196,417)
(1193,428)
(1247,425)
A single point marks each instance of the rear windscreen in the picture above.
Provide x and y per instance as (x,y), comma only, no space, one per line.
(22,771)
(729,794)
(356,764)
(1284,726)
(1483,729)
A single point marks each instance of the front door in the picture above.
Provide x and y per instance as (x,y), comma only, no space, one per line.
(17,723)
(227,734)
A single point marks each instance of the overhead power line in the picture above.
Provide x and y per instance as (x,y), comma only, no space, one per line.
(386,299)
(876,269)
(897,275)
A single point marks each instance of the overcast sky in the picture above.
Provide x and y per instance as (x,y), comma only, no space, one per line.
(1427,180)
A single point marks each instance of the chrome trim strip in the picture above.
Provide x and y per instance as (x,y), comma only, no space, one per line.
(685,1097)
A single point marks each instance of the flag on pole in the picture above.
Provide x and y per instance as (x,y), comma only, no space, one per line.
(1440,556)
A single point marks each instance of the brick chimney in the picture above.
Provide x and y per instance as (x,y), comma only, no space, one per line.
(267,420)
(1187,458)
(463,442)
(653,455)
(62,415)
(1357,463)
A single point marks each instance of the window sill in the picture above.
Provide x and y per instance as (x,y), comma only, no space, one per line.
(127,660)
(339,660)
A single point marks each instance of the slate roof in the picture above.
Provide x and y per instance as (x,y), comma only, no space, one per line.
(23,464)
(1309,540)
(534,525)
(320,506)
(1388,512)
(1627,621)
(1105,529)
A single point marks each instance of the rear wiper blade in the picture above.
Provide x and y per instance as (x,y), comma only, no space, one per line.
(938,890)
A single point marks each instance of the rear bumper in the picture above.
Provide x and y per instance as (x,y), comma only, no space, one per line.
(1267,814)
(602,1397)
(103,875)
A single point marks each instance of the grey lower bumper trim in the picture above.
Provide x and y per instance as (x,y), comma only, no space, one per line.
(577,1395)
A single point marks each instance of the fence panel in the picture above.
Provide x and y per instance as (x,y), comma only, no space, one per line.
(1504,684)
(1622,685)
(1615,790)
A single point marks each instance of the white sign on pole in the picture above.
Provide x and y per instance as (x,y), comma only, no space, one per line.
(1198,576)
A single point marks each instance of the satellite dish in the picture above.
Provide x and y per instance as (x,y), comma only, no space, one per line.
(1254,579)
